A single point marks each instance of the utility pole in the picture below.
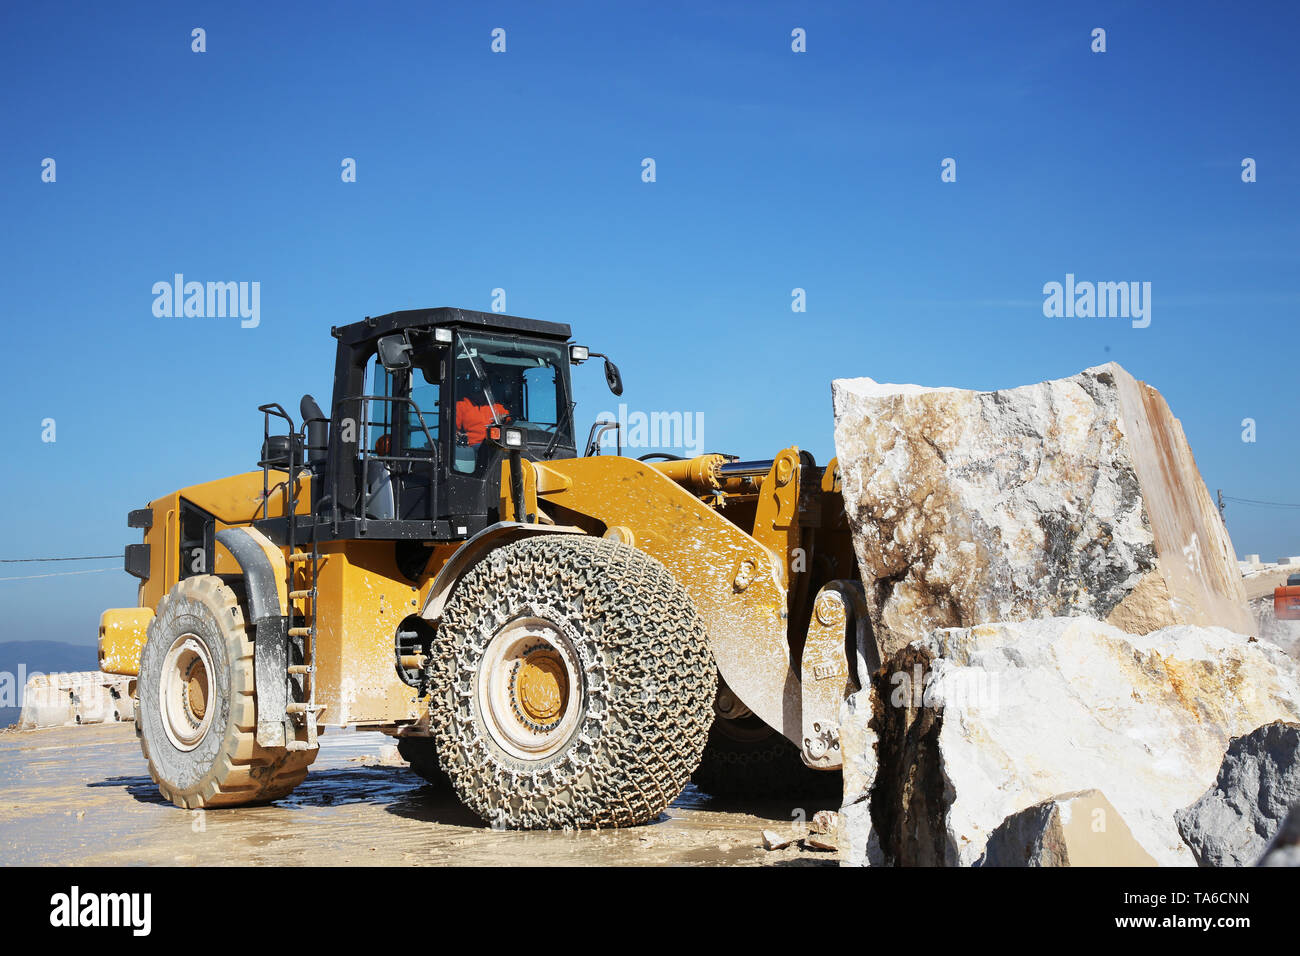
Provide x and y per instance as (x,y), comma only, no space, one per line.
(1221,507)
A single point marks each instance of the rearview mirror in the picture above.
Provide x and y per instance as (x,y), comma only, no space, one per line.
(394,353)
(612,378)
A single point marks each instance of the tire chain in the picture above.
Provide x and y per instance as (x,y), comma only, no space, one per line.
(633,628)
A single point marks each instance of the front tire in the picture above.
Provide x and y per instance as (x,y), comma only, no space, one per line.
(576,689)
(196,713)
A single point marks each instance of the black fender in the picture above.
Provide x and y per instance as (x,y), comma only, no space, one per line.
(474,549)
(270,632)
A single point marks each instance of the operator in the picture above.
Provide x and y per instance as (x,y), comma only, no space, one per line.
(474,415)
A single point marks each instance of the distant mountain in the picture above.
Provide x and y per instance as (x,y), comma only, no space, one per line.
(20,659)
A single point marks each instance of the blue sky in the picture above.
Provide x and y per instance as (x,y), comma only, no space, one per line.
(522,171)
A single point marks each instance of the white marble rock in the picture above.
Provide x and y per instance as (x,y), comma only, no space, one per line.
(1077,496)
(1005,716)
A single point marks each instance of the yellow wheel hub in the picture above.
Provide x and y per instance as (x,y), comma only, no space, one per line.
(541,686)
(196,690)
(186,692)
(529,688)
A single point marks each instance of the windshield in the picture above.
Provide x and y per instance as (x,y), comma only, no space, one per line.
(500,380)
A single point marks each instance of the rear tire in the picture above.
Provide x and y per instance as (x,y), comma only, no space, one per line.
(747,758)
(196,714)
(576,687)
(422,754)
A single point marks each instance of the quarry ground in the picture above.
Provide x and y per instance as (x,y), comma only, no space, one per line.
(78,796)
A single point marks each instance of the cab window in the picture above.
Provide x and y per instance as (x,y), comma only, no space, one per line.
(386,415)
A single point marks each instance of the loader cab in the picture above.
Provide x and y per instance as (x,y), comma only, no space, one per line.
(421,400)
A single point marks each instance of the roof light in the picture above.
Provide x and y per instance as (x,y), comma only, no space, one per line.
(442,335)
(579,354)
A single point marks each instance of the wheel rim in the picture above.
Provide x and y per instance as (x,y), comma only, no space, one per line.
(187,692)
(530,693)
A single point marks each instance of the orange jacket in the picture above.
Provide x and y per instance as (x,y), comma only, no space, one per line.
(473,419)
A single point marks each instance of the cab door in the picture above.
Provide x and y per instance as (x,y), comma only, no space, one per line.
(398,462)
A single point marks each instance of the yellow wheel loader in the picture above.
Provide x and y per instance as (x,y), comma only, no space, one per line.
(566,638)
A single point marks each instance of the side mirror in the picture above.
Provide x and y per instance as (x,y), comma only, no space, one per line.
(612,378)
(394,353)
(580,353)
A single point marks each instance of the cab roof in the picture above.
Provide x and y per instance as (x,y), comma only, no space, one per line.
(372,327)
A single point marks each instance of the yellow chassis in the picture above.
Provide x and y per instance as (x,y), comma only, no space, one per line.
(766,559)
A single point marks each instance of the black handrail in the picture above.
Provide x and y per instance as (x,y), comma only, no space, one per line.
(364,497)
(267,410)
(594,437)
(297,438)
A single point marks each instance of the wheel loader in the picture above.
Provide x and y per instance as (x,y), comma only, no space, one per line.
(1286,599)
(566,638)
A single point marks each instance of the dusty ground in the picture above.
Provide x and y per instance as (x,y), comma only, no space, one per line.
(82,796)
